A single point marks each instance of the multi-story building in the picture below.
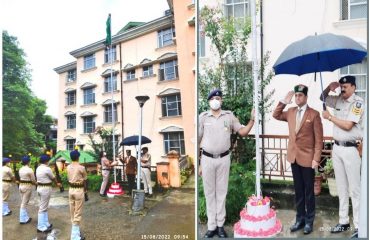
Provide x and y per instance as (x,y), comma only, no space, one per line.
(157,59)
(282,22)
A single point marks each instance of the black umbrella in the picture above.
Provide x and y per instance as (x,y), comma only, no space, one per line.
(134,140)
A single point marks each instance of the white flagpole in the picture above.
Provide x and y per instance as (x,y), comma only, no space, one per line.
(256,104)
(363,220)
(110,54)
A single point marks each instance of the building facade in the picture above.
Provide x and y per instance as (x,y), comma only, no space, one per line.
(281,22)
(148,59)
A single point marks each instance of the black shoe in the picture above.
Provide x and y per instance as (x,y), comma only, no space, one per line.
(296,226)
(308,228)
(340,228)
(150,195)
(28,221)
(210,234)
(8,214)
(355,234)
(221,232)
(103,195)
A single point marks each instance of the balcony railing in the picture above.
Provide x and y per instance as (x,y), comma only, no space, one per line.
(273,150)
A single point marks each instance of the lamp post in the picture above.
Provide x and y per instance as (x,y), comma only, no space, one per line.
(141,100)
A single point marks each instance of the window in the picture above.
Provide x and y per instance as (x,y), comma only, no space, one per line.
(130,75)
(174,141)
(353,9)
(358,70)
(71,121)
(71,75)
(89,61)
(71,98)
(238,9)
(165,37)
(171,105)
(168,70)
(108,113)
(89,96)
(110,84)
(89,124)
(70,144)
(110,54)
(147,71)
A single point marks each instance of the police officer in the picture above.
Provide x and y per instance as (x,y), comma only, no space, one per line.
(27,178)
(77,177)
(145,171)
(215,128)
(8,178)
(347,131)
(44,177)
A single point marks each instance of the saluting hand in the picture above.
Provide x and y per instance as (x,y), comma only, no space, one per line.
(333,86)
(288,97)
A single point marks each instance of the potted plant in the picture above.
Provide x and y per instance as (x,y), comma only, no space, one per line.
(317,183)
(329,173)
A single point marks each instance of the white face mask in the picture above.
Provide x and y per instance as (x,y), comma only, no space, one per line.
(215,104)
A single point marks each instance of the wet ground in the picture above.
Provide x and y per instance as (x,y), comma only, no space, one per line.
(167,215)
(323,221)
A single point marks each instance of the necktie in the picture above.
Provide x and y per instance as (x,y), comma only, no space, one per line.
(298,120)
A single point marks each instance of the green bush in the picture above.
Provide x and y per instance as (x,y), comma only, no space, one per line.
(241,186)
(94,181)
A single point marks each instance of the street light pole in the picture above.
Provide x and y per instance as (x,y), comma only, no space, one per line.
(141,100)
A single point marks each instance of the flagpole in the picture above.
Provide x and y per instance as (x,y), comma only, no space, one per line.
(110,55)
(256,104)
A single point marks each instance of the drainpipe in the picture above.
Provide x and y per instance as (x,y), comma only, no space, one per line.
(262,95)
(121,81)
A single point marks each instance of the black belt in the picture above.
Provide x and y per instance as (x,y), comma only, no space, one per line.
(346,144)
(6,180)
(106,169)
(76,185)
(44,184)
(215,155)
(25,181)
(145,167)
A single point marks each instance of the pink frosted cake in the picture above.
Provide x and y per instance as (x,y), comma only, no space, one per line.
(115,189)
(257,220)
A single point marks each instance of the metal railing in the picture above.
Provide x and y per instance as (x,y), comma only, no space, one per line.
(273,150)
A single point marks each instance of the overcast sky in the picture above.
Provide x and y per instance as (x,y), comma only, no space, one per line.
(48,30)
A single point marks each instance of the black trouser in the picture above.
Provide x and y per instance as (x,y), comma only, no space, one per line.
(131,182)
(304,193)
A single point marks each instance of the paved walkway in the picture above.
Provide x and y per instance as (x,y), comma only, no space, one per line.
(170,213)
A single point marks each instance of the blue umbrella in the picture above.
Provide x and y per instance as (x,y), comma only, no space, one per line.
(319,53)
(134,140)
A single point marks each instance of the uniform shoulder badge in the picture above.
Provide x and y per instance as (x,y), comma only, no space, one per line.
(357,108)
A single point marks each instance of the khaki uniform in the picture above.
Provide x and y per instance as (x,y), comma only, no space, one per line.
(346,160)
(7,183)
(76,177)
(27,177)
(145,173)
(44,177)
(214,137)
(105,170)
(7,178)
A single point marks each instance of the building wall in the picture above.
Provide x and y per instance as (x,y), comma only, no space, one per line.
(133,51)
(185,38)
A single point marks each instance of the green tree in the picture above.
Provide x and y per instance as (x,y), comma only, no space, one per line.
(232,73)
(23,113)
(101,140)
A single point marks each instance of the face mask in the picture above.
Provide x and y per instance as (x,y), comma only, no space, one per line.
(215,104)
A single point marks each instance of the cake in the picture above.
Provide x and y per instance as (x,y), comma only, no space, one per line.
(115,189)
(257,220)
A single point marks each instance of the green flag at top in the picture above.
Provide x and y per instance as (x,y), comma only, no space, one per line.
(108,39)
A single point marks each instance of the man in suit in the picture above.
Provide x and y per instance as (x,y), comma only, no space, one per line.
(304,152)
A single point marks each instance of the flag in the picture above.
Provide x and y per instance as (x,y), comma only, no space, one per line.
(108,39)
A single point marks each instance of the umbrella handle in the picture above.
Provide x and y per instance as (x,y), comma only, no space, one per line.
(324,106)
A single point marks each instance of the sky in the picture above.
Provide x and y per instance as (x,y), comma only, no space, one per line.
(48,30)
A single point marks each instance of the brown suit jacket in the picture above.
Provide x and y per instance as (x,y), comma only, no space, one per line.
(305,146)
